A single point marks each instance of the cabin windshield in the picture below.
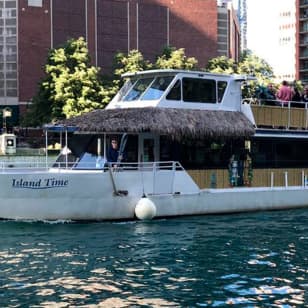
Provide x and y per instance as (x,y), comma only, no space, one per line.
(149,88)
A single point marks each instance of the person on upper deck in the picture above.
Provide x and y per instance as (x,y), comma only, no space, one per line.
(271,91)
(305,95)
(284,93)
(297,97)
(270,95)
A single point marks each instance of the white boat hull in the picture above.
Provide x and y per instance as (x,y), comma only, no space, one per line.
(232,200)
(89,195)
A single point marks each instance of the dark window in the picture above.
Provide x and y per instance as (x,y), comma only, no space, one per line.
(279,153)
(199,154)
(221,87)
(199,90)
(175,92)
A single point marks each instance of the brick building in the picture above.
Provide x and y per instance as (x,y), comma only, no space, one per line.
(29,28)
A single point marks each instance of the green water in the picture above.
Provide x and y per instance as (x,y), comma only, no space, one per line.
(245,260)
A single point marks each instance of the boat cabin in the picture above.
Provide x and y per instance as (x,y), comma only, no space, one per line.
(180,89)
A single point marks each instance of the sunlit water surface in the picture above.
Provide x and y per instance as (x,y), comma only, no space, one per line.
(245,260)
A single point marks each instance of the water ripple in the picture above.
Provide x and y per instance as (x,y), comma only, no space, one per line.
(252,260)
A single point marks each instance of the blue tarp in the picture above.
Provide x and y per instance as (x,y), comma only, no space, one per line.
(60,128)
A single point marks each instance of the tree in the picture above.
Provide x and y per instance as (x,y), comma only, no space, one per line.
(124,63)
(71,85)
(221,64)
(252,65)
(249,64)
(131,62)
(40,109)
(173,58)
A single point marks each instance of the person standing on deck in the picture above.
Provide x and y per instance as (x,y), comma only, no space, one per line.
(113,152)
(305,95)
(285,93)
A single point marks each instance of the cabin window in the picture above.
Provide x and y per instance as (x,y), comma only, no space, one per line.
(138,89)
(157,88)
(279,153)
(199,90)
(175,92)
(126,87)
(199,154)
(221,88)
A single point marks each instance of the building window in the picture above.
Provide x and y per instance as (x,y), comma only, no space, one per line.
(8,48)
(37,3)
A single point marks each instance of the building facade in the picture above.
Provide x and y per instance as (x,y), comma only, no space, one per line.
(302,40)
(228,30)
(285,59)
(29,28)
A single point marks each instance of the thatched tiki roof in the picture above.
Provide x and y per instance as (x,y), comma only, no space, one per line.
(176,123)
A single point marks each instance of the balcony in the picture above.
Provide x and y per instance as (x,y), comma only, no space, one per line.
(293,115)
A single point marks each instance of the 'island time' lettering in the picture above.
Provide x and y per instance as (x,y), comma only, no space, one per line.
(39,183)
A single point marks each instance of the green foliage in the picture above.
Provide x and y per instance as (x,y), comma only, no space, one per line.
(40,110)
(173,58)
(249,64)
(124,63)
(221,64)
(71,86)
(131,62)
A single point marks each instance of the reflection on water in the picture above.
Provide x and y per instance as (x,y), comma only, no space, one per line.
(247,260)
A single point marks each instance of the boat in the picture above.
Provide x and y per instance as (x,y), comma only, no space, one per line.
(192,146)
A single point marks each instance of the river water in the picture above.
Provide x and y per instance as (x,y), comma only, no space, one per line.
(243,260)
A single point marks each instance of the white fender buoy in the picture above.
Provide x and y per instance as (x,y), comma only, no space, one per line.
(145,209)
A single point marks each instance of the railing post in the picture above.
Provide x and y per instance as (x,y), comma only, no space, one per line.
(154,175)
(306,115)
(272,179)
(286,179)
(303,178)
(173,176)
(289,114)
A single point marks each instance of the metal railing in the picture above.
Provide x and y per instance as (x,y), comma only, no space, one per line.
(274,102)
(116,167)
(274,113)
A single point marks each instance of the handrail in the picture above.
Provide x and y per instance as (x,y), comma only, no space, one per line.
(275,102)
(117,167)
(275,113)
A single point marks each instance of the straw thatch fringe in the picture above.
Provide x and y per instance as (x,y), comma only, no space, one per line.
(177,123)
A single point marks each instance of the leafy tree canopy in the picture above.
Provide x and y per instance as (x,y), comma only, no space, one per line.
(71,85)
(249,64)
(131,62)
(173,58)
(124,63)
(221,64)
